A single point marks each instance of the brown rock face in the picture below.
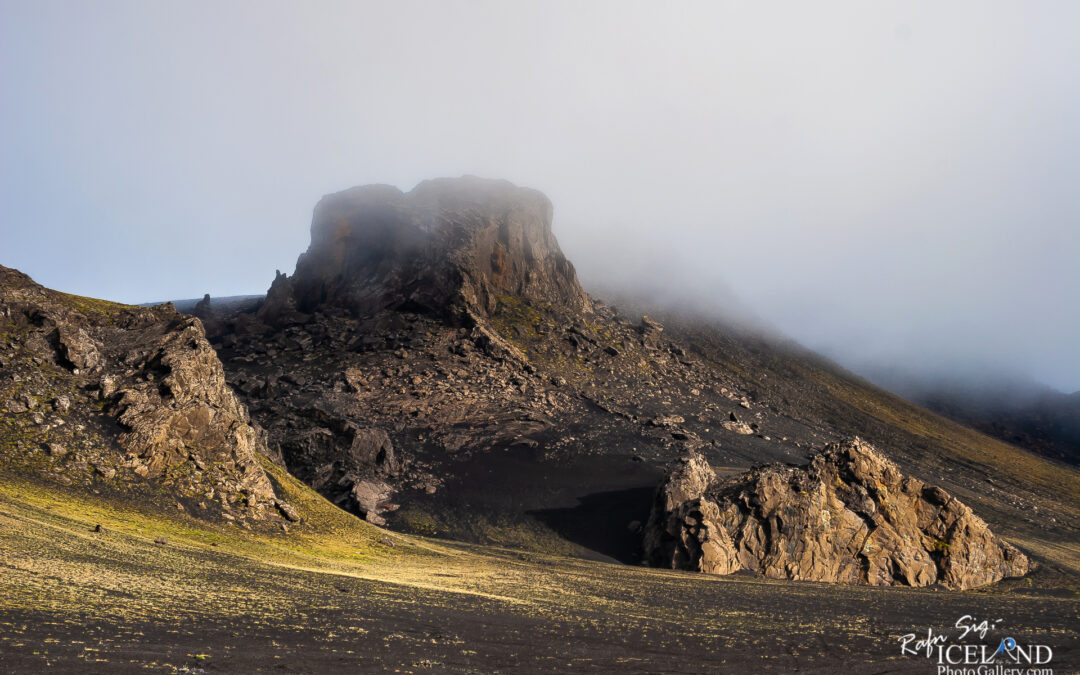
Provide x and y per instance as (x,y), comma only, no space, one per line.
(847,517)
(142,395)
(184,410)
(450,246)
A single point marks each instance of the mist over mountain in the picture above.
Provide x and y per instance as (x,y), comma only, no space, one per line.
(884,184)
(1009,406)
(509,336)
(432,369)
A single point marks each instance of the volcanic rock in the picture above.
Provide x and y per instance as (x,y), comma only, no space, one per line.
(288,511)
(737,427)
(203,308)
(450,324)
(188,407)
(650,332)
(371,498)
(422,330)
(849,516)
(372,447)
(448,247)
(76,348)
(169,415)
(207,313)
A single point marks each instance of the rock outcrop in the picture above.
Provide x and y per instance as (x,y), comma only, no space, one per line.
(429,338)
(420,331)
(849,516)
(137,394)
(448,247)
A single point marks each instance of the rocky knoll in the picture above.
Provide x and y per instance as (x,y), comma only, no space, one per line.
(93,392)
(422,328)
(448,247)
(849,516)
(430,340)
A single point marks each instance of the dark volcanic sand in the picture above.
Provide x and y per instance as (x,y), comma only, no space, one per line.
(350,625)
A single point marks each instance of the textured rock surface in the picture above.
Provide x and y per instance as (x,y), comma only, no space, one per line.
(847,517)
(449,246)
(499,419)
(137,394)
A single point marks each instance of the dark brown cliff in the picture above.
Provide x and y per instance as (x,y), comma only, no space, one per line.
(118,397)
(449,247)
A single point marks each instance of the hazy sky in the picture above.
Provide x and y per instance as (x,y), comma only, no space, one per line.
(890,183)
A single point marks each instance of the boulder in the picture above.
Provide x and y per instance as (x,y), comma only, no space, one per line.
(849,516)
(288,511)
(76,348)
(371,496)
(666,421)
(189,407)
(372,448)
(650,332)
(107,387)
(737,427)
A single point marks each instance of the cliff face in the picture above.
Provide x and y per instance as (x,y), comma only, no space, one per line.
(847,517)
(449,247)
(96,392)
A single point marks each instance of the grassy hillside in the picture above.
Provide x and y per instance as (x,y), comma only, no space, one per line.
(114,576)
(165,591)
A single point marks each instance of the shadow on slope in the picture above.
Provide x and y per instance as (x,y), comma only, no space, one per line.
(607,523)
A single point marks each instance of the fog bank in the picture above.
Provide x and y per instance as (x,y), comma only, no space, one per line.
(890,183)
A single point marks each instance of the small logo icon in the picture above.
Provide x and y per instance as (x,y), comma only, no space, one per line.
(1007,645)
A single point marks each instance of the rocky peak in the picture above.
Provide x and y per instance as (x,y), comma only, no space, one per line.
(849,516)
(449,247)
(203,308)
(96,391)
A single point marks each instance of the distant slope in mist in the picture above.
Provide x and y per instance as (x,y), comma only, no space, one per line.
(1012,408)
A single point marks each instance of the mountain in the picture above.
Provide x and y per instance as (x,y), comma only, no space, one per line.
(448,247)
(433,364)
(1013,409)
(181,491)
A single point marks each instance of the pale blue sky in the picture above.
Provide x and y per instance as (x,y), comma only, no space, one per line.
(889,182)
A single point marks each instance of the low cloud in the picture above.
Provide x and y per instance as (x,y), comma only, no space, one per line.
(890,184)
